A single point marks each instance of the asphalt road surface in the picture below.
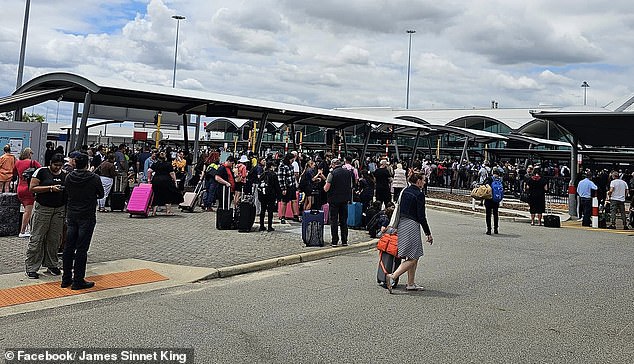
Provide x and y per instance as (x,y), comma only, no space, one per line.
(529,295)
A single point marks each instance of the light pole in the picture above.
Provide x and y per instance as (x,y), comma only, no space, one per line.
(585,91)
(409,62)
(178,21)
(18,112)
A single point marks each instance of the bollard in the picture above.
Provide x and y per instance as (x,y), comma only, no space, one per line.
(595,210)
(572,200)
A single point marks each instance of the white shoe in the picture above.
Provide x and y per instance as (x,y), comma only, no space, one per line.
(24,235)
(579,220)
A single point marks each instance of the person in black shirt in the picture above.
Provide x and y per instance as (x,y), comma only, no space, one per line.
(83,188)
(339,188)
(382,177)
(47,221)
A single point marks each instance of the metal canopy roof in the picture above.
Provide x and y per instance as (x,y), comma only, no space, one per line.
(538,141)
(122,94)
(479,136)
(598,129)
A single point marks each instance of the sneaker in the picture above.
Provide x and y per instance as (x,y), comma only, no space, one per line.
(24,235)
(65,283)
(282,221)
(334,245)
(296,219)
(414,287)
(495,231)
(488,232)
(32,275)
(262,228)
(270,229)
(612,227)
(344,244)
(54,271)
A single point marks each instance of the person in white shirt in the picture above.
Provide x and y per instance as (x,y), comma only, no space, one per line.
(617,194)
(295,167)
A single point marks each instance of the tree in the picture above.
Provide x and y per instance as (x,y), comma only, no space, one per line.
(32,118)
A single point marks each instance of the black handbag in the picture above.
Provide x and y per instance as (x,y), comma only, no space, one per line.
(28,173)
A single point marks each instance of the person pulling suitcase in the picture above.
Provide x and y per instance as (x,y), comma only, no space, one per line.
(269,193)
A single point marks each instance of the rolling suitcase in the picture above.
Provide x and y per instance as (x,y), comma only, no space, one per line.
(313,228)
(246,217)
(387,265)
(190,199)
(117,201)
(224,214)
(140,200)
(551,220)
(355,213)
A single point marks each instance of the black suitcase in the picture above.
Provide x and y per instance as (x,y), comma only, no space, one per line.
(246,217)
(552,221)
(224,214)
(117,201)
(387,264)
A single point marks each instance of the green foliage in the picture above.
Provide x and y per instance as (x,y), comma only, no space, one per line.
(33,118)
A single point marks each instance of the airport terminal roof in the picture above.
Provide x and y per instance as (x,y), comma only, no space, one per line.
(125,95)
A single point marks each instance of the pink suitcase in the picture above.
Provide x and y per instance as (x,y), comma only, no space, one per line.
(140,200)
(326,209)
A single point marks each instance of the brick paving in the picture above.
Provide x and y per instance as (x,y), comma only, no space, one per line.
(184,239)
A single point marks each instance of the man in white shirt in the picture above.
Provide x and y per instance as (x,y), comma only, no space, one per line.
(617,194)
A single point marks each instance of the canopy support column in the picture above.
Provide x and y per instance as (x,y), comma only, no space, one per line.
(398,155)
(574,171)
(293,136)
(83,126)
(73,129)
(345,143)
(415,148)
(260,134)
(464,150)
(197,138)
(186,132)
(366,141)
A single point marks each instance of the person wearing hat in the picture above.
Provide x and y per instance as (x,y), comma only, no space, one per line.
(339,189)
(490,206)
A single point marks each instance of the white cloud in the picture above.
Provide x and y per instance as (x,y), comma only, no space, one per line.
(336,54)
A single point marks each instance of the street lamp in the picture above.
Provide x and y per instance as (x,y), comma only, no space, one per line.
(585,91)
(409,61)
(178,21)
(18,112)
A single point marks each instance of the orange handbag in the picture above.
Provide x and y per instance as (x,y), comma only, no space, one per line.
(388,243)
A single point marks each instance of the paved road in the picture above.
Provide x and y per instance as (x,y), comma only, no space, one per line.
(529,295)
(185,239)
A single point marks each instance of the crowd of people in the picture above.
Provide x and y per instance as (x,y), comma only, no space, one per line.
(77,187)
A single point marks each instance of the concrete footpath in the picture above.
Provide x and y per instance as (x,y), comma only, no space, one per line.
(184,248)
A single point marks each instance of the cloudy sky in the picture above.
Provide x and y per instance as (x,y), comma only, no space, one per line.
(334,53)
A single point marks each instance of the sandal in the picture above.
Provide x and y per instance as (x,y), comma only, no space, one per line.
(414,287)
(388,282)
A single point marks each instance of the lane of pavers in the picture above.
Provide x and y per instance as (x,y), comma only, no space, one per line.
(184,239)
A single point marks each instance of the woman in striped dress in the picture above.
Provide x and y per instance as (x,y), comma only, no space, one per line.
(410,242)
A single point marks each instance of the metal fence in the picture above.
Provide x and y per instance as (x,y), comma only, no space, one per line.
(557,189)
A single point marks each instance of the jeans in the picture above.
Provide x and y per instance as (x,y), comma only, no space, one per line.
(586,211)
(338,215)
(79,235)
(617,205)
(210,197)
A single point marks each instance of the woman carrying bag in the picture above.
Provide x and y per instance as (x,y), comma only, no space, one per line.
(410,219)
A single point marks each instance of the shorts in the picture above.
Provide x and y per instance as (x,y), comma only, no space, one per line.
(291,195)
